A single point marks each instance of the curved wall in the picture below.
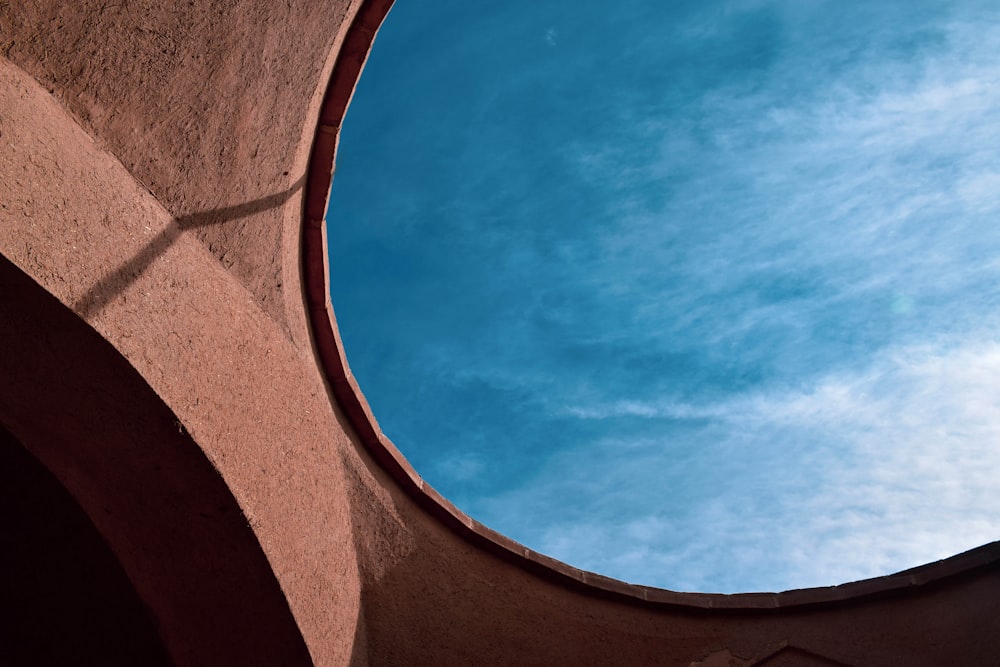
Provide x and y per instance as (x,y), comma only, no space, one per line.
(164,166)
(170,524)
(62,581)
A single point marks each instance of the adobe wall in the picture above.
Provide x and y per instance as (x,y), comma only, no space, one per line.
(138,138)
(163,180)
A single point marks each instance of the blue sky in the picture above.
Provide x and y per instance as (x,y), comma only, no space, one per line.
(700,295)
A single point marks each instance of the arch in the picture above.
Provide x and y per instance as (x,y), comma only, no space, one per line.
(153,188)
(79,408)
(66,598)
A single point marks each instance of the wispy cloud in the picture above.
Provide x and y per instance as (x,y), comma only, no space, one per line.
(873,204)
(729,321)
(861,474)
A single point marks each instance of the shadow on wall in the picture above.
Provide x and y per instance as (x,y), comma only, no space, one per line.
(67,600)
(117,281)
(100,431)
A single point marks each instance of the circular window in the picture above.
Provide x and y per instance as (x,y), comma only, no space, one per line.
(695,295)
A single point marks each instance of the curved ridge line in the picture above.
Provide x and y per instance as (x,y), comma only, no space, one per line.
(329,348)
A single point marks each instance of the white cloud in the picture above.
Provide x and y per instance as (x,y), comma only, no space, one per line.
(877,192)
(883,186)
(461,467)
(860,475)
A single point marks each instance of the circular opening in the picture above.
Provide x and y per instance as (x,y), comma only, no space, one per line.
(695,295)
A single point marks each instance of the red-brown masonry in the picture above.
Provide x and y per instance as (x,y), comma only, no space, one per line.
(164,176)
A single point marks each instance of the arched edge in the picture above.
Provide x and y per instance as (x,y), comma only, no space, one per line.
(85,415)
(346,391)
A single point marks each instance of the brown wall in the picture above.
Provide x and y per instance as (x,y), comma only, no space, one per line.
(169,356)
(60,578)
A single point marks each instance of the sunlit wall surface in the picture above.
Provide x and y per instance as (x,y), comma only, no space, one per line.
(702,295)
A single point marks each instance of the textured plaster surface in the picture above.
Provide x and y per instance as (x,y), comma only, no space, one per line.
(243,78)
(79,224)
(179,535)
(163,175)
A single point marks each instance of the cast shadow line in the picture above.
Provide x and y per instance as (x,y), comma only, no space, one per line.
(114,283)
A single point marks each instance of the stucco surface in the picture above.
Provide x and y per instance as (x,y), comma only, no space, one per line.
(164,173)
(242,77)
(78,223)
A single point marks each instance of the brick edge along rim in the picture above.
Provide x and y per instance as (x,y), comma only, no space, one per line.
(329,350)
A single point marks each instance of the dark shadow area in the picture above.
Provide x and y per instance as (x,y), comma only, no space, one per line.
(792,656)
(115,282)
(359,646)
(89,418)
(66,599)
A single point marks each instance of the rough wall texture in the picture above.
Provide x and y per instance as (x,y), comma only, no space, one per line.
(169,356)
(242,77)
(83,412)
